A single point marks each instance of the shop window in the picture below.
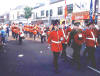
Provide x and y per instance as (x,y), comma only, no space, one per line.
(47,13)
(42,13)
(70,8)
(60,10)
(51,12)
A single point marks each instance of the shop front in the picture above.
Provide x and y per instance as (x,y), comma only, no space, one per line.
(82,17)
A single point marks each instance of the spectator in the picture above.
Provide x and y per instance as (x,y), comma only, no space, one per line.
(3,35)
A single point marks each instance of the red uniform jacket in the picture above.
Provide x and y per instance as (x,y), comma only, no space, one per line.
(54,39)
(79,38)
(16,30)
(91,40)
(34,32)
(68,29)
(48,33)
(66,37)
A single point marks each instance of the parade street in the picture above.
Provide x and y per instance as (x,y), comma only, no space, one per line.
(50,38)
(34,58)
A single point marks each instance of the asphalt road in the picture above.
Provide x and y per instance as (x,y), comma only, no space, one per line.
(33,58)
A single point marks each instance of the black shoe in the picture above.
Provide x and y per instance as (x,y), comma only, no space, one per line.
(79,67)
(95,67)
(72,63)
(57,71)
(62,57)
(41,41)
(65,59)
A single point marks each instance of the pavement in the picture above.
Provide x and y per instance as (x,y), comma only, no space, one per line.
(34,58)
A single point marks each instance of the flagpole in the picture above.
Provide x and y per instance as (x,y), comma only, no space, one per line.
(91,11)
(65,12)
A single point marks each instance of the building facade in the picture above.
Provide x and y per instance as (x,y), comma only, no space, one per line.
(49,13)
(17,15)
(78,10)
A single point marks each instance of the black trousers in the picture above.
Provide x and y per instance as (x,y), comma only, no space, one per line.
(13,34)
(26,33)
(16,35)
(38,34)
(63,54)
(31,34)
(85,52)
(8,34)
(55,59)
(91,56)
(20,40)
(76,54)
(43,39)
(3,39)
(34,36)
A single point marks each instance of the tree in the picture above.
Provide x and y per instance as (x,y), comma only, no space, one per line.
(28,12)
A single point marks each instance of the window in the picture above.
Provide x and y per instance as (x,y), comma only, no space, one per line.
(51,12)
(47,13)
(22,15)
(70,8)
(42,13)
(60,10)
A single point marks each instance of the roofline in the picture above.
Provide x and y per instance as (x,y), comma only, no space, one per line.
(56,1)
(38,6)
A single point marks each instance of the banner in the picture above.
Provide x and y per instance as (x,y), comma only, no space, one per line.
(91,11)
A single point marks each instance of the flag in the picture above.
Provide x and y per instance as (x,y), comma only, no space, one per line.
(91,11)
(65,9)
(96,17)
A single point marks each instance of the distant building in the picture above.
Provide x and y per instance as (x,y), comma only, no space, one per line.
(49,13)
(16,14)
(2,19)
(78,10)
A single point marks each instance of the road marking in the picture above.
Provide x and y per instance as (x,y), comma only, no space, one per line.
(94,69)
(5,51)
(88,66)
(41,52)
(48,47)
(20,55)
(69,56)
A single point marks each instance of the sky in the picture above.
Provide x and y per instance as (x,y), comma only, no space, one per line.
(6,5)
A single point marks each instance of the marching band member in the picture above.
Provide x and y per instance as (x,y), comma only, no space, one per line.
(34,33)
(78,40)
(91,44)
(54,39)
(65,41)
(43,34)
(21,33)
